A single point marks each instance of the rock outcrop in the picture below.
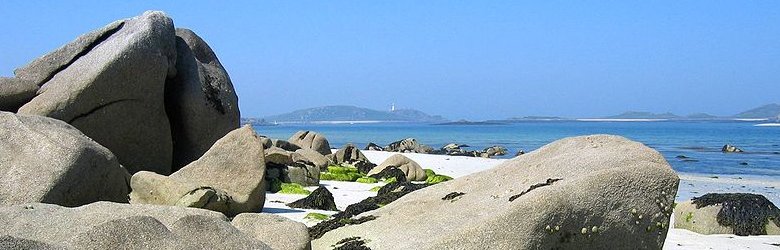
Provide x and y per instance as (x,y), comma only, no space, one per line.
(292,167)
(412,170)
(408,145)
(589,192)
(729,213)
(200,101)
(110,85)
(348,154)
(46,160)
(372,146)
(15,92)
(311,140)
(275,231)
(731,149)
(105,225)
(228,178)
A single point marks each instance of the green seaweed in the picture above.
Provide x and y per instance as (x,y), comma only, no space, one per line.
(293,188)
(366,180)
(437,179)
(390,180)
(327,176)
(689,217)
(316,216)
(429,173)
(375,189)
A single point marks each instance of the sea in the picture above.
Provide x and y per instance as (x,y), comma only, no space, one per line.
(691,147)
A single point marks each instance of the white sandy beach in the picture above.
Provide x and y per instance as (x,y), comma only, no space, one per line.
(346,193)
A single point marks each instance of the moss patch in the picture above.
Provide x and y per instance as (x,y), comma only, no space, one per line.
(434,179)
(316,216)
(293,188)
(366,180)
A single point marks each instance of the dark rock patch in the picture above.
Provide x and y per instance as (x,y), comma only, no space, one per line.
(390,172)
(351,243)
(321,228)
(320,199)
(364,167)
(452,196)
(746,214)
(549,181)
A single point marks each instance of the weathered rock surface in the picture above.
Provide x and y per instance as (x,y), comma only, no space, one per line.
(105,225)
(315,157)
(412,170)
(732,213)
(275,231)
(15,92)
(200,101)
(311,140)
(408,145)
(577,193)
(110,86)
(348,154)
(373,146)
(46,160)
(292,167)
(235,165)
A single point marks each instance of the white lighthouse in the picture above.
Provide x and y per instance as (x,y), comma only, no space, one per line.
(392,107)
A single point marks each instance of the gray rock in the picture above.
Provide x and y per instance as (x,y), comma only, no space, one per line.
(292,167)
(105,225)
(47,160)
(348,154)
(276,231)
(493,151)
(211,233)
(201,103)
(372,146)
(43,69)
(577,193)
(235,165)
(114,93)
(315,157)
(311,140)
(412,170)
(728,213)
(10,242)
(731,149)
(408,145)
(15,92)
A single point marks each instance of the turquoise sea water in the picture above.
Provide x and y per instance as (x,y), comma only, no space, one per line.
(700,141)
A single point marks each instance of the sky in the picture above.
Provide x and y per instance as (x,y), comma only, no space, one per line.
(460,59)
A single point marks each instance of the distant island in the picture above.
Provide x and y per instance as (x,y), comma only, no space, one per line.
(765,112)
(466,122)
(352,114)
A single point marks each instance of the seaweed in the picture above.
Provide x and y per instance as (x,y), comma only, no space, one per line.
(321,228)
(390,172)
(549,181)
(452,196)
(351,243)
(320,199)
(746,214)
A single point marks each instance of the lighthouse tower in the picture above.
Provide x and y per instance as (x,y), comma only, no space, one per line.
(392,107)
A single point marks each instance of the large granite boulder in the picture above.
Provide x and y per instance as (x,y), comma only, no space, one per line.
(729,213)
(15,92)
(589,192)
(105,225)
(315,157)
(311,140)
(412,170)
(46,160)
(228,178)
(348,154)
(112,89)
(276,231)
(291,167)
(200,101)
(408,145)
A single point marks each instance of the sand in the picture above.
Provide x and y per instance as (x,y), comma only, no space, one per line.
(346,193)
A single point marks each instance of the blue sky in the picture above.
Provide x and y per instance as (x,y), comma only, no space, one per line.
(461,59)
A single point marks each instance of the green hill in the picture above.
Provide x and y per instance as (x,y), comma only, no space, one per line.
(352,113)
